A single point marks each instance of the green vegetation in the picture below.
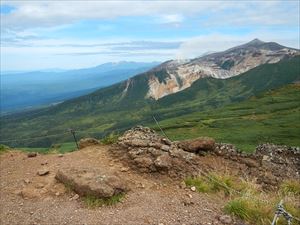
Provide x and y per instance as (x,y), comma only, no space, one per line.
(272,117)
(245,200)
(54,149)
(211,184)
(4,148)
(216,183)
(227,64)
(210,107)
(290,187)
(250,210)
(258,212)
(93,202)
(110,139)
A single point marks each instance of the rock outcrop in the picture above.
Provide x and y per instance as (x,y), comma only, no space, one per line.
(270,163)
(92,182)
(85,142)
(150,152)
(203,144)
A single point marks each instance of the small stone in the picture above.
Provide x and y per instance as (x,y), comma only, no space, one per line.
(44,163)
(141,185)
(43,172)
(124,169)
(225,219)
(57,193)
(21,204)
(188,202)
(190,196)
(182,185)
(193,188)
(60,155)
(27,181)
(31,154)
(165,148)
(75,197)
(31,213)
(18,192)
(40,185)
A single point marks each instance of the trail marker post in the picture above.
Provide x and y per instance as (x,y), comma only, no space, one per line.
(74,136)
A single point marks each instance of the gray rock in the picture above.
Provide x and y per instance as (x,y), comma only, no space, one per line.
(92,182)
(165,148)
(85,142)
(225,219)
(31,154)
(43,172)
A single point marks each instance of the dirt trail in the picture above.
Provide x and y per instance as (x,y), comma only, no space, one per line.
(27,198)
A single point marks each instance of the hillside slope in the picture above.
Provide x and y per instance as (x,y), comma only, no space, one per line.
(271,117)
(33,89)
(112,108)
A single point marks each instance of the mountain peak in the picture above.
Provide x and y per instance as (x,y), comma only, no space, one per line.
(256,41)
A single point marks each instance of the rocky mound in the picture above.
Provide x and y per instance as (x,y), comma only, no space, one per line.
(150,152)
(270,164)
(85,142)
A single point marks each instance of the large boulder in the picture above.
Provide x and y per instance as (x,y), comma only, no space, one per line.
(91,182)
(197,145)
(85,142)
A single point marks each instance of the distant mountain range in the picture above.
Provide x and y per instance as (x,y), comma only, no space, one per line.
(21,91)
(169,90)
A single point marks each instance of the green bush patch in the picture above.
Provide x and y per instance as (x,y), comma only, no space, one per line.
(93,202)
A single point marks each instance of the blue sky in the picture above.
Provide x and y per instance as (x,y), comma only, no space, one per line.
(75,34)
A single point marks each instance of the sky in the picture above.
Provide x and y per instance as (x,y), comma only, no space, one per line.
(69,34)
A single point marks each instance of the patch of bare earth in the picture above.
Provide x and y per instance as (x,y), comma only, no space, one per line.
(30,198)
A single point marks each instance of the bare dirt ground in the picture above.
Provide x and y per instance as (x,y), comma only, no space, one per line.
(27,198)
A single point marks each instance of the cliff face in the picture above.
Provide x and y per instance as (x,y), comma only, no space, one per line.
(229,63)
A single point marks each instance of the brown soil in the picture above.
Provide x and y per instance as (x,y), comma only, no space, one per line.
(27,198)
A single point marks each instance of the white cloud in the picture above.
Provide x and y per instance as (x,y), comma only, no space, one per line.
(30,14)
(172,18)
(77,53)
(25,29)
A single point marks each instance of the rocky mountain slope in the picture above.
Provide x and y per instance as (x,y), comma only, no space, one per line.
(232,62)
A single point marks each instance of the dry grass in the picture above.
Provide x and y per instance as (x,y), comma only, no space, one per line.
(245,199)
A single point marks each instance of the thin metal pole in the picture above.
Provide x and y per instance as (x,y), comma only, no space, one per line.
(73,133)
(276,216)
(160,128)
(275,219)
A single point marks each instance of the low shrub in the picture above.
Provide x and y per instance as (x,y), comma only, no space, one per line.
(110,139)
(92,201)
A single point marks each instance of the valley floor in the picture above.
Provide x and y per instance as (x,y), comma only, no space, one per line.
(27,198)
